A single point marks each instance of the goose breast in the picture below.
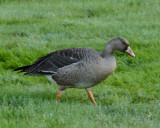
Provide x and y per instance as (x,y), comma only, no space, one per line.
(90,71)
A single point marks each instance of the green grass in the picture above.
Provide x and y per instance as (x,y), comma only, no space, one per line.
(30,29)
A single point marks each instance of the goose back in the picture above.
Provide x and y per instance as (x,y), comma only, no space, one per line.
(50,63)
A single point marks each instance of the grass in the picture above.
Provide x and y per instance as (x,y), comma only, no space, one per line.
(127,99)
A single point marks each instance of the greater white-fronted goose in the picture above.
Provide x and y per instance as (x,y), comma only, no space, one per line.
(78,67)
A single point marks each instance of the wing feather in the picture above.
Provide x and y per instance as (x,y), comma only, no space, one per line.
(55,60)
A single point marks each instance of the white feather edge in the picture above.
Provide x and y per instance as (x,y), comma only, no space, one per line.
(49,77)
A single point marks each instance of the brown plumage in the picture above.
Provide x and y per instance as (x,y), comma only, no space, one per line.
(78,67)
(50,63)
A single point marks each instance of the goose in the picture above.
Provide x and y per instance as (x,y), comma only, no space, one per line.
(78,67)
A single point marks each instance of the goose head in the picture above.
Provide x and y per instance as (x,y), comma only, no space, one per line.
(118,44)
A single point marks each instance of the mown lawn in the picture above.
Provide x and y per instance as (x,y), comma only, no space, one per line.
(32,28)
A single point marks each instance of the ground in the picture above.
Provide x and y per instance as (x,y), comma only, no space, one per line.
(129,98)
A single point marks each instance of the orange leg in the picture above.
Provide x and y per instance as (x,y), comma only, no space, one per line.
(90,95)
(59,94)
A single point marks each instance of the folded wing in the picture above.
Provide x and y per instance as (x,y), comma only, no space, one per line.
(50,63)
